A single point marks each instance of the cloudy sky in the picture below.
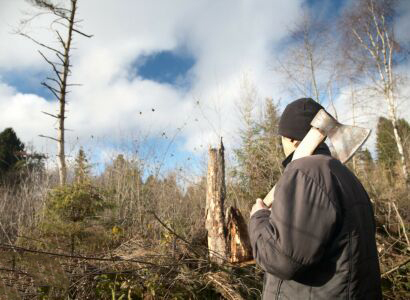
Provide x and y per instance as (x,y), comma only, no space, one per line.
(164,73)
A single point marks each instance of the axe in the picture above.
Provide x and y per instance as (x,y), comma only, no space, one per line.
(346,140)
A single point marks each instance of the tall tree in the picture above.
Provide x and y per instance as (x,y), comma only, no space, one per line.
(371,45)
(65,20)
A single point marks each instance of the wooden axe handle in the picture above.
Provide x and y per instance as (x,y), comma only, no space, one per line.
(306,147)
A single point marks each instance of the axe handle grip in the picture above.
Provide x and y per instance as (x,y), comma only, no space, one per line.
(269,197)
(310,142)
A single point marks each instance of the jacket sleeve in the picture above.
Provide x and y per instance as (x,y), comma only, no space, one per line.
(294,234)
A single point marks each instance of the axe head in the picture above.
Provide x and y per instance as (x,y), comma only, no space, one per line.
(345,139)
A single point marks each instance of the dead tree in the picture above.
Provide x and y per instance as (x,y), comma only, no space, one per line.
(228,239)
(215,198)
(371,46)
(58,84)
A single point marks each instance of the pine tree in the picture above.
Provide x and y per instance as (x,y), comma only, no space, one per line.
(260,155)
(82,168)
(11,150)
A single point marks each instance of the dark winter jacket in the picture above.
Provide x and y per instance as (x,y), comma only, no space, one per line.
(318,240)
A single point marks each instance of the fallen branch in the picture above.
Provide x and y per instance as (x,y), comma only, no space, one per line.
(396,267)
(21,249)
(227,290)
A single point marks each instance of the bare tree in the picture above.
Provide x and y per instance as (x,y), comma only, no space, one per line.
(309,64)
(372,47)
(58,84)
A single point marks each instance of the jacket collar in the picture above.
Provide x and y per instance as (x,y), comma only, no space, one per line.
(321,149)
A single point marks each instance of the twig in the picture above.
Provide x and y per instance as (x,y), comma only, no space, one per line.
(396,267)
(402,224)
(5,246)
(169,229)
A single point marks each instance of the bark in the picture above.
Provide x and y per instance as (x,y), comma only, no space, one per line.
(215,198)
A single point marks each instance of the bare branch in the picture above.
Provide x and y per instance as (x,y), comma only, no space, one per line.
(51,115)
(55,80)
(51,89)
(60,58)
(61,39)
(48,137)
(395,268)
(82,33)
(58,73)
(40,44)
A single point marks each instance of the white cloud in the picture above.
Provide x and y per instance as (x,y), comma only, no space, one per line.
(23,112)
(226,38)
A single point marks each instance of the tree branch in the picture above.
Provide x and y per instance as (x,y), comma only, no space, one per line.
(40,44)
(395,268)
(52,65)
(51,115)
(51,89)
(82,33)
(49,137)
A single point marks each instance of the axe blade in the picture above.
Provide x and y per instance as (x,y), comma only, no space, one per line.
(347,140)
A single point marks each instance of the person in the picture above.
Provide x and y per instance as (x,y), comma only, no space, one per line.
(317,241)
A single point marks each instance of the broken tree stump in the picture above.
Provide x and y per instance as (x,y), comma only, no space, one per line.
(215,198)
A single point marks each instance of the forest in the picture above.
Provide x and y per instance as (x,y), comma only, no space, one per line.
(135,229)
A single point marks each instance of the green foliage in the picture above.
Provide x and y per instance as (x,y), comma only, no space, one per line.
(118,286)
(11,150)
(16,164)
(386,146)
(260,155)
(148,284)
(76,202)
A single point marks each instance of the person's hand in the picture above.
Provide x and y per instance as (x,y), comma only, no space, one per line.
(258,206)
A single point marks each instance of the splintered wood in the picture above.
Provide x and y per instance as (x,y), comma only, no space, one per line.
(238,237)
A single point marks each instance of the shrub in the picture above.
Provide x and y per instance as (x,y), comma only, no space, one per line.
(76,202)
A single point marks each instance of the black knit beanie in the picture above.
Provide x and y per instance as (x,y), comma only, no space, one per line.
(295,120)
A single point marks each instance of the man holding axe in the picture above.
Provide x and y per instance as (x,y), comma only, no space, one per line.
(314,233)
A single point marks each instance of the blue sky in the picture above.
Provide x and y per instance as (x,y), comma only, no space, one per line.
(166,67)
(174,67)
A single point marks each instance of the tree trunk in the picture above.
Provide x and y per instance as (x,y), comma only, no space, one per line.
(215,197)
(63,93)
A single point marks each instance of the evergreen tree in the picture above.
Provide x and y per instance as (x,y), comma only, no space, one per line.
(260,155)
(11,150)
(82,168)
